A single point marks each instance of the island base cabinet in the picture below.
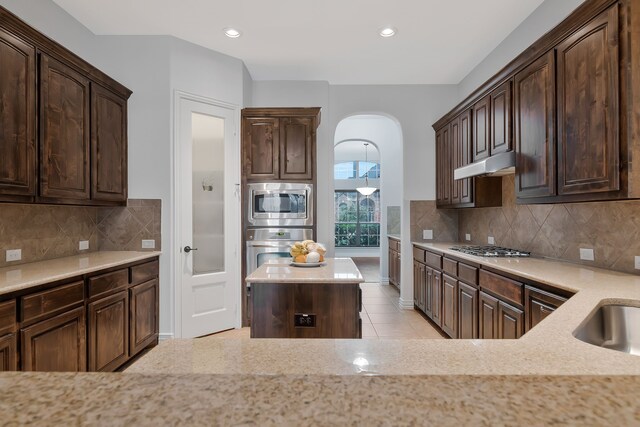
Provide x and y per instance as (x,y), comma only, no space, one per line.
(334,310)
(109,332)
(8,353)
(143,316)
(56,344)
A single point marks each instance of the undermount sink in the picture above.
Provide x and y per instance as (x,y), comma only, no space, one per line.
(616,327)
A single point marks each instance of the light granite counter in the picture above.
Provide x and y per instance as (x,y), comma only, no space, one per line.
(394,236)
(26,276)
(334,270)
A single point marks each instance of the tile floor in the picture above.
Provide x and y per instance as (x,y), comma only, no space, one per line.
(381,315)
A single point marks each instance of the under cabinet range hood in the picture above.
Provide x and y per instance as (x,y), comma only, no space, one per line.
(499,164)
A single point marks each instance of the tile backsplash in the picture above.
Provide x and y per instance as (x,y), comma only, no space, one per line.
(393,220)
(611,229)
(46,232)
(425,216)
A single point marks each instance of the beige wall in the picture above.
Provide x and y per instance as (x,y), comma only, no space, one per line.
(46,232)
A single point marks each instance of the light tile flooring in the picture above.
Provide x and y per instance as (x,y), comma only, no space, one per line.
(381,315)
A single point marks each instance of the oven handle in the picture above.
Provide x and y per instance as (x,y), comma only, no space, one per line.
(269,246)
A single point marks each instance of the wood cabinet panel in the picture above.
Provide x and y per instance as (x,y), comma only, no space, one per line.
(535,140)
(450,306)
(40,305)
(468,273)
(17,119)
(433,260)
(510,321)
(436,298)
(104,284)
(8,353)
(56,344)
(481,128)
(261,148)
(143,316)
(144,272)
(538,305)
(443,167)
(296,148)
(108,145)
(505,288)
(465,148)
(456,160)
(419,254)
(108,332)
(588,108)
(428,290)
(450,266)
(488,317)
(501,119)
(64,132)
(7,317)
(467,311)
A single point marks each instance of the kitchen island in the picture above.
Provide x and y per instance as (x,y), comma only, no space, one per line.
(306,302)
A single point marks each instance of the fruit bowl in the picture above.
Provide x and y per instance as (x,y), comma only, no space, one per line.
(308,252)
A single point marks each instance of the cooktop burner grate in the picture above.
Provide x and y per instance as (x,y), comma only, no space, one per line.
(491,251)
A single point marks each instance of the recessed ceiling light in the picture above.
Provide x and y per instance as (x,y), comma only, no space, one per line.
(232,33)
(388,32)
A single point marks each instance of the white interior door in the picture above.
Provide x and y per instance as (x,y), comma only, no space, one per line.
(209,211)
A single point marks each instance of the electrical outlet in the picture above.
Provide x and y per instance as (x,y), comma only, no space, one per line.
(637,262)
(14,255)
(586,254)
(467,237)
(148,244)
(427,234)
(301,320)
(491,240)
(83,245)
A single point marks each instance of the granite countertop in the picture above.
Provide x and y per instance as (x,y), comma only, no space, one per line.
(394,236)
(335,270)
(25,276)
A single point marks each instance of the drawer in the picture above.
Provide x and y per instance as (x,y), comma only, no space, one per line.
(52,301)
(144,272)
(450,267)
(433,260)
(468,274)
(8,317)
(500,286)
(394,245)
(108,282)
(418,254)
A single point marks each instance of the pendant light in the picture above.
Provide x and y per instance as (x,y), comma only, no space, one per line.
(366,190)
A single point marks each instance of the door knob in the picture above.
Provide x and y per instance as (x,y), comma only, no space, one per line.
(188,249)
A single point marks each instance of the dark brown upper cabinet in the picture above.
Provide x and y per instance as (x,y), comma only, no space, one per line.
(500,113)
(456,159)
(65,132)
(588,108)
(481,128)
(278,144)
(78,154)
(460,128)
(569,106)
(535,129)
(17,119)
(296,148)
(108,145)
(444,172)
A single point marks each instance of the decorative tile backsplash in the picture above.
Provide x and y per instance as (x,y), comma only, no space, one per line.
(46,232)
(611,229)
(394,220)
(425,216)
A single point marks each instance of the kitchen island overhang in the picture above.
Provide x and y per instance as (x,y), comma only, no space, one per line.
(306,302)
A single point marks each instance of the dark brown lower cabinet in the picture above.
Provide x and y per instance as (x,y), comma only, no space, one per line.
(56,344)
(499,320)
(143,312)
(487,317)
(538,305)
(419,284)
(467,311)
(450,306)
(511,320)
(428,289)
(109,332)
(436,298)
(8,353)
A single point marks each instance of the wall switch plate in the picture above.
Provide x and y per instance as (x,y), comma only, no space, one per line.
(467,237)
(637,262)
(148,244)
(14,255)
(83,245)
(491,240)
(427,234)
(586,254)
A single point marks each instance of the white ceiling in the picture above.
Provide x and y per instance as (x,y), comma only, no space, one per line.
(438,41)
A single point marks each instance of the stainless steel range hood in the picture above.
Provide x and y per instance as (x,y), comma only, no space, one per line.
(499,164)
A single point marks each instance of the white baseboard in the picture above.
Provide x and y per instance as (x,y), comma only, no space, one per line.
(165,336)
(384,280)
(405,304)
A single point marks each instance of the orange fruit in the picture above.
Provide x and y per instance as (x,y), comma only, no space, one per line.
(321,258)
(300,258)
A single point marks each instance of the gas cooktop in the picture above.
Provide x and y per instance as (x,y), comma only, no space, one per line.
(491,251)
